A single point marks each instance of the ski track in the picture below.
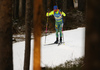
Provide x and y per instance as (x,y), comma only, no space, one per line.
(53,55)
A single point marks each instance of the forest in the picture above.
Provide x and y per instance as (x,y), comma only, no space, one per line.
(19,11)
(28,17)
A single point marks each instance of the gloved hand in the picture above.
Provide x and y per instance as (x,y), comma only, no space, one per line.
(47,14)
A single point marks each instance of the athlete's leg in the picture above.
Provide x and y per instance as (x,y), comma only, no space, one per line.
(60,30)
(56,28)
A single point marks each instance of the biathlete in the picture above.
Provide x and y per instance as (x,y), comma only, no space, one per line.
(58,21)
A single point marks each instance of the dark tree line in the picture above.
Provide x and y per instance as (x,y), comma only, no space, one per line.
(19,11)
(19,6)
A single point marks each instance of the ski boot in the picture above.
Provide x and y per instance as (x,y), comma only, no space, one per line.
(56,40)
(60,39)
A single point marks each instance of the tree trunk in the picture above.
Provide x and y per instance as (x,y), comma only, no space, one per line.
(48,3)
(45,5)
(52,2)
(64,9)
(92,47)
(22,14)
(82,5)
(37,33)
(21,8)
(56,2)
(64,6)
(70,4)
(15,9)
(28,21)
(60,4)
(6,60)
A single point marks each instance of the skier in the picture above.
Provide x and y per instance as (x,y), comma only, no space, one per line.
(58,21)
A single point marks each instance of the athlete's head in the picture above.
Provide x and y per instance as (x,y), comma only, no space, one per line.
(55,8)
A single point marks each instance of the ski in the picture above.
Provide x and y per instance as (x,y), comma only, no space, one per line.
(49,44)
(61,43)
(54,43)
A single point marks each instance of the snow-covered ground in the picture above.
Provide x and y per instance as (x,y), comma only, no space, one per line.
(53,55)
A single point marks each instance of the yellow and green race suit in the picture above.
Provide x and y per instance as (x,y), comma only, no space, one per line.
(58,20)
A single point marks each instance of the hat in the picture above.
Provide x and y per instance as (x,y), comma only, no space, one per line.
(55,7)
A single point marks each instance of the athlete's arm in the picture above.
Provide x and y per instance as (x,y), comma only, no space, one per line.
(50,13)
(62,13)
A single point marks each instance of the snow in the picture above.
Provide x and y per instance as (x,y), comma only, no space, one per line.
(53,55)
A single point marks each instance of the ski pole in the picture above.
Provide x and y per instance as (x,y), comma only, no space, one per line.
(46,30)
(63,35)
(62,29)
(46,27)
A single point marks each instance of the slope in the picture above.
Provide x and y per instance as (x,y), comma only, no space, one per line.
(53,55)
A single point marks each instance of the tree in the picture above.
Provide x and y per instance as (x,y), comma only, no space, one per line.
(82,5)
(49,4)
(6,60)
(22,14)
(70,4)
(56,2)
(15,9)
(64,9)
(60,4)
(28,21)
(45,5)
(37,33)
(21,8)
(92,40)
